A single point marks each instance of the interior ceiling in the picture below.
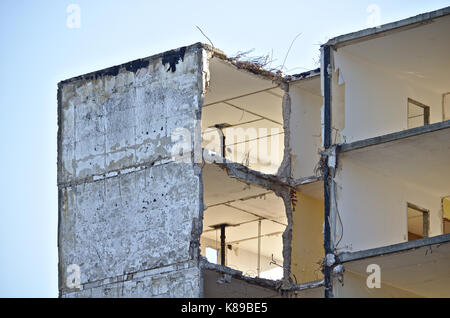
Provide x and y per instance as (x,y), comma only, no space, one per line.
(237,96)
(422,160)
(228,82)
(313,189)
(219,188)
(420,53)
(424,271)
(312,85)
(231,201)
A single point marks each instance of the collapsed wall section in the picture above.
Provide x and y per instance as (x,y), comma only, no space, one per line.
(128,213)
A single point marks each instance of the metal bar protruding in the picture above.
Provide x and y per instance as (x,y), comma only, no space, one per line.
(258,269)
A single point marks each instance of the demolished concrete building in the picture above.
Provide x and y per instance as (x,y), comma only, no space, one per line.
(192,174)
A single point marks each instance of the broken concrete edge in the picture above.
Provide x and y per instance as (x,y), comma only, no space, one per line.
(118,172)
(248,66)
(288,280)
(263,178)
(305,180)
(273,284)
(276,285)
(126,277)
(133,66)
(171,57)
(284,170)
(255,69)
(393,136)
(60,189)
(326,77)
(247,175)
(202,264)
(392,249)
(397,26)
(306,286)
(303,76)
(197,223)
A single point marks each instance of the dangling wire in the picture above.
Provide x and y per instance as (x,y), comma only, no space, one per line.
(273,262)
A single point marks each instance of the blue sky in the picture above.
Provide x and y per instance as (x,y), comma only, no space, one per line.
(38,50)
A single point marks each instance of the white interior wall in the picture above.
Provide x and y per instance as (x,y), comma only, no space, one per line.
(305,129)
(373,207)
(376,98)
(240,258)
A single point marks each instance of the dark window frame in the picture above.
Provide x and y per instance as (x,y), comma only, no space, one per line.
(425,221)
(426,111)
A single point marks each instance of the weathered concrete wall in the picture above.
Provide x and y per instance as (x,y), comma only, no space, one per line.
(179,280)
(129,215)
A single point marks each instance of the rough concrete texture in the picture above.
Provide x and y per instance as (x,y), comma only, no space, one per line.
(125,207)
(284,171)
(178,281)
(218,285)
(221,281)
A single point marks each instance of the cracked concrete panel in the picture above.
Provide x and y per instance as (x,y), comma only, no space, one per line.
(129,223)
(125,207)
(180,281)
(114,122)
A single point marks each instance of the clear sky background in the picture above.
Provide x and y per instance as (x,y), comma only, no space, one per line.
(38,49)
